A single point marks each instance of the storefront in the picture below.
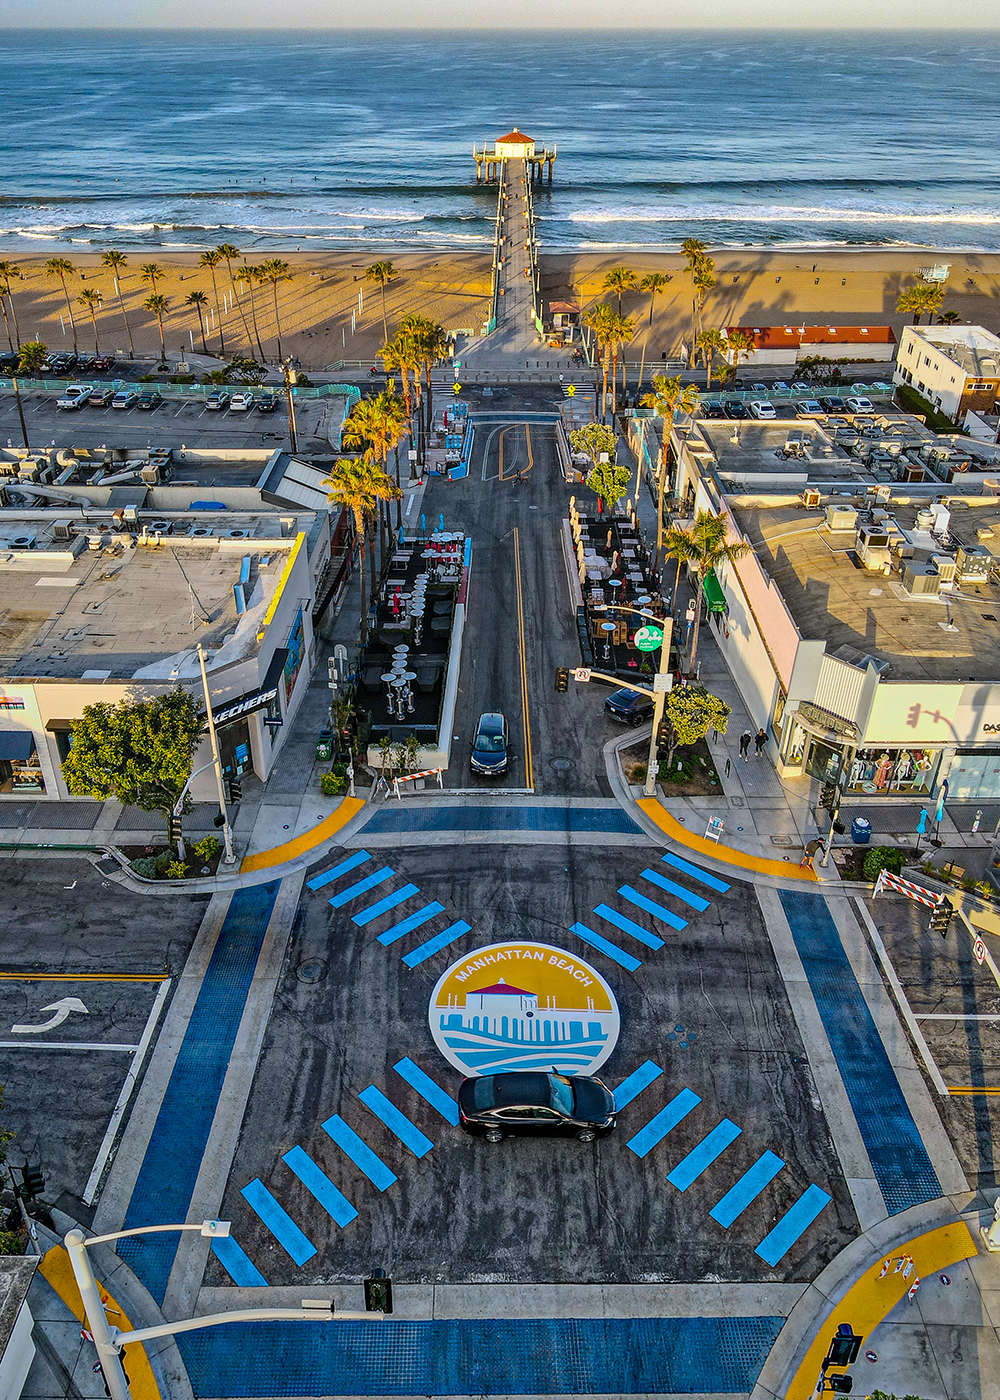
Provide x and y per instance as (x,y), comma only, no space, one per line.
(20,767)
(232,720)
(817,742)
(894,771)
(974,774)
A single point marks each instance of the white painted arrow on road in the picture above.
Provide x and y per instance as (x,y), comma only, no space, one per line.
(60,1010)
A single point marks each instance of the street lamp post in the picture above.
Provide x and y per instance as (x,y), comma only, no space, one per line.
(661,685)
(227,834)
(290,378)
(109,1340)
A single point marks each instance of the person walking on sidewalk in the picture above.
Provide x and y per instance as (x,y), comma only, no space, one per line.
(746,738)
(760,741)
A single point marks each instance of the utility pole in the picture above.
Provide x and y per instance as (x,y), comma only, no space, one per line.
(20,413)
(227,834)
(290,379)
(661,688)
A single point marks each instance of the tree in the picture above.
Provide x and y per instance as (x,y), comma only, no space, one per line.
(117,261)
(400,354)
(691,711)
(63,268)
(8,272)
(359,485)
(921,300)
(151,273)
(594,439)
(381,273)
(703,548)
(621,329)
(653,283)
(199,300)
(211,260)
(609,482)
(710,344)
(949,318)
(602,320)
(91,298)
(739,343)
(669,398)
(704,280)
(377,425)
(429,343)
(252,275)
(694,251)
(159,305)
(33,355)
(273,271)
(620,280)
(229,253)
(138,751)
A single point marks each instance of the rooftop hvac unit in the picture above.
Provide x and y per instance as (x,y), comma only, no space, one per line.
(200,532)
(921,579)
(62,529)
(238,534)
(810,498)
(873,548)
(946,565)
(159,527)
(841,517)
(22,542)
(29,470)
(925,519)
(973,563)
(150,474)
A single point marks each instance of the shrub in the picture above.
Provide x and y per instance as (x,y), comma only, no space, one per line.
(146,379)
(181,379)
(146,867)
(207,848)
(881,858)
(176,870)
(163,860)
(11,1242)
(332,784)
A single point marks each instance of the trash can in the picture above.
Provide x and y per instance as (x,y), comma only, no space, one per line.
(324,745)
(861,831)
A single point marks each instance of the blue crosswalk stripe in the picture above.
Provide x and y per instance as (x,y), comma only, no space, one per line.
(408,1133)
(428,1090)
(700,1158)
(747,1189)
(435,944)
(362,887)
(663,1122)
(359,1152)
(630,926)
(351,863)
(407,925)
(296,1245)
(389,902)
(794,1223)
(241,1269)
(610,950)
(650,906)
(695,871)
(680,892)
(318,1184)
(638,1080)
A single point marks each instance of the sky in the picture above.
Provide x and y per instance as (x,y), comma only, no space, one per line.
(533,14)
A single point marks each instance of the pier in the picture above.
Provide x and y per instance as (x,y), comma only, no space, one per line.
(515,146)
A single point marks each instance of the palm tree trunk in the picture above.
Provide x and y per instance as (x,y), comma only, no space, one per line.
(239,304)
(128,328)
(359,530)
(385,323)
(604,389)
(371,563)
(218,312)
(430,400)
(163,348)
(253,314)
(6,320)
(399,487)
(614,382)
(69,308)
(277,320)
(697,622)
(13,312)
(201,327)
(93,317)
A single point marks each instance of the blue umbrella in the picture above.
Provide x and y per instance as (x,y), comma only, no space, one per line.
(922,823)
(941,801)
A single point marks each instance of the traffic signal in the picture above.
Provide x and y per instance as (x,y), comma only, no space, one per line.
(219,820)
(841,1385)
(828,797)
(234,791)
(175,829)
(378,1292)
(32,1182)
(663,734)
(562,679)
(844,1349)
(941,917)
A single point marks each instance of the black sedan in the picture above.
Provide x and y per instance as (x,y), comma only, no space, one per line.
(532,1104)
(736,409)
(712,408)
(628,707)
(832,403)
(149,399)
(267,403)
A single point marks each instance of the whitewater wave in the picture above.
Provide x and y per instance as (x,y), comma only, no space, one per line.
(779,214)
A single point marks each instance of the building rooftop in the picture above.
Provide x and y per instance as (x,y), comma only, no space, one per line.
(973,348)
(788,337)
(950,636)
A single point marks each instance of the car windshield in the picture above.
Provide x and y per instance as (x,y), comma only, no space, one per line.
(561,1090)
(489,743)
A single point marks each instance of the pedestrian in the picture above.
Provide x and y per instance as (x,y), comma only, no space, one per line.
(746,738)
(809,850)
(760,741)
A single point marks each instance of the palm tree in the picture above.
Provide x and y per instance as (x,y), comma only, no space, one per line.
(739,343)
(274,270)
(211,260)
(199,300)
(159,305)
(33,354)
(91,298)
(703,548)
(8,271)
(252,275)
(602,321)
(621,331)
(229,253)
(117,261)
(359,485)
(620,280)
(382,273)
(710,344)
(430,344)
(151,273)
(948,318)
(63,268)
(695,252)
(704,280)
(378,425)
(920,300)
(669,398)
(653,283)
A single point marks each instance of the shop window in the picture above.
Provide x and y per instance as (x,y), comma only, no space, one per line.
(880,770)
(64,742)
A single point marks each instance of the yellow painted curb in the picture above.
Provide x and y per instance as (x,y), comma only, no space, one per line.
(57,1271)
(784,870)
(290,850)
(872,1299)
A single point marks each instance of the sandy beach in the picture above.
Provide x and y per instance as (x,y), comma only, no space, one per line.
(755,287)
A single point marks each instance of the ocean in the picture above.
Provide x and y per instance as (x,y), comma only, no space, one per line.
(346,140)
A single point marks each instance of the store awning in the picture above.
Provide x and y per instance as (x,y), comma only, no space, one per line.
(16,745)
(714,596)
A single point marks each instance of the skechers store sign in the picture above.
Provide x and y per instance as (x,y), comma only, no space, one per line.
(257,699)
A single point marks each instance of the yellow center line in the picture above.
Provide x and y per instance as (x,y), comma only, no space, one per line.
(84,976)
(529,771)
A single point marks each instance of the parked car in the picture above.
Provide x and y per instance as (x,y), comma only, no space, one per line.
(217,400)
(808,408)
(712,408)
(62,361)
(780,387)
(860,405)
(832,403)
(103,363)
(628,707)
(100,396)
(267,403)
(242,402)
(489,747)
(529,1103)
(74,396)
(801,387)
(85,361)
(9,361)
(125,398)
(879,386)
(736,408)
(762,408)
(149,399)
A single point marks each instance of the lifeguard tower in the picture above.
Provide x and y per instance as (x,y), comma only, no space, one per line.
(514,146)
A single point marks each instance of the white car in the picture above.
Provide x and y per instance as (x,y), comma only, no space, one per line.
(75,396)
(762,408)
(780,387)
(801,387)
(860,405)
(241,403)
(809,408)
(125,398)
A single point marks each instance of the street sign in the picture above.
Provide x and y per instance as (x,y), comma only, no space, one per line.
(648,638)
(582,673)
(570,391)
(663,683)
(979,951)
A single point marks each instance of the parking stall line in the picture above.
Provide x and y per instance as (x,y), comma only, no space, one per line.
(431,1092)
(663,1122)
(701,1157)
(362,887)
(435,944)
(422,916)
(296,1245)
(610,950)
(388,902)
(396,1121)
(359,1152)
(640,1079)
(747,1189)
(628,926)
(318,1184)
(696,901)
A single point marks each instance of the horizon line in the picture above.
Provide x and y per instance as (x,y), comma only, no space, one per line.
(417,28)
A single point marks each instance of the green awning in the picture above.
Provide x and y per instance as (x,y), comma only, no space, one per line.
(714,596)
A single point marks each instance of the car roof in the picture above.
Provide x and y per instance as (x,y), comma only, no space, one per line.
(491,723)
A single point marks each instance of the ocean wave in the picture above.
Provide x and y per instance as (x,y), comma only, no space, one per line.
(780,214)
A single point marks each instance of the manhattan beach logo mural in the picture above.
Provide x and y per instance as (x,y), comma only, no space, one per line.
(520,1006)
